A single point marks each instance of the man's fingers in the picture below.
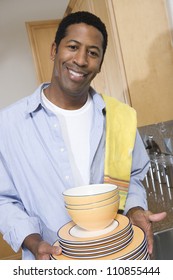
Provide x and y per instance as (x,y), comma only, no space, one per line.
(45,250)
(157,217)
(56,250)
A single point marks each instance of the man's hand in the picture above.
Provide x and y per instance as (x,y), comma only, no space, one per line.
(44,250)
(144,219)
(40,248)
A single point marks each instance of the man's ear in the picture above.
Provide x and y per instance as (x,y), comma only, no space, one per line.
(53,51)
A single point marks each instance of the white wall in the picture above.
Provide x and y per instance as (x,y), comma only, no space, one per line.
(17,71)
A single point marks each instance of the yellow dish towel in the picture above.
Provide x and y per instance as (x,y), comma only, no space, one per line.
(121,127)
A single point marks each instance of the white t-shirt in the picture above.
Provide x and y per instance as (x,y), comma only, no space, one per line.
(76,127)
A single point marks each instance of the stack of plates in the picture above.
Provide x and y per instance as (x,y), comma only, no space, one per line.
(120,240)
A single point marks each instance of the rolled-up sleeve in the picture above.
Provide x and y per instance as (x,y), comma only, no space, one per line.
(140,165)
(15,223)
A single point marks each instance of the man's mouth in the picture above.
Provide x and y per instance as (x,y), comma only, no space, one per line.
(76,74)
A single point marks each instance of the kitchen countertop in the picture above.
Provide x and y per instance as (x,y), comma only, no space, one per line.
(160,198)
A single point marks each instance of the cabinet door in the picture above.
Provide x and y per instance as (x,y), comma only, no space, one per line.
(6,253)
(110,80)
(147,53)
(41,35)
(78,5)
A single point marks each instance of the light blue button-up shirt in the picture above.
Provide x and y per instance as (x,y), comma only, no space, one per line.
(35,169)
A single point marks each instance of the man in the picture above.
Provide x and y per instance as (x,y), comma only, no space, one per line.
(57,138)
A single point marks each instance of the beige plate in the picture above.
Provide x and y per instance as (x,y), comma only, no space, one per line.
(98,254)
(83,233)
(105,243)
(143,256)
(136,244)
(111,247)
(64,232)
(135,253)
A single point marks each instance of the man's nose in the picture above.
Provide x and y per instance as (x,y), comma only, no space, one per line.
(80,58)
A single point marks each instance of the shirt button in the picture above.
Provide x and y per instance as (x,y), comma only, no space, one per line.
(67,177)
(62,149)
(55,125)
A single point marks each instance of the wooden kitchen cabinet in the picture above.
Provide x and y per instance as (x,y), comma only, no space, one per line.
(41,36)
(138,66)
(6,253)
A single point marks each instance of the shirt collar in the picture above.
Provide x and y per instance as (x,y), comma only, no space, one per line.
(35,100)
(97,99)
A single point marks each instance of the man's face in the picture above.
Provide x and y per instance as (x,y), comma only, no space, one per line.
(78,59)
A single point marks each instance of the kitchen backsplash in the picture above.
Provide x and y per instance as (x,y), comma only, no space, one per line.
(162,134)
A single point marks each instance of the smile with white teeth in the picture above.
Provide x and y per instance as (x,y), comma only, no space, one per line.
(76,73)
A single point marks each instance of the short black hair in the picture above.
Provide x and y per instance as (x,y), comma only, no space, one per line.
(81,17)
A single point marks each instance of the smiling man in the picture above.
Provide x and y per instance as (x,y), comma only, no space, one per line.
(77,60)
(65,135)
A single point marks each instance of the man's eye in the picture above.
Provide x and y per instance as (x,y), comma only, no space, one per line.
(93,54)
(71,47)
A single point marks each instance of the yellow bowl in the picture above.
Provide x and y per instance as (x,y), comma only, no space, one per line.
(94,218)
(89,193)
(112,199)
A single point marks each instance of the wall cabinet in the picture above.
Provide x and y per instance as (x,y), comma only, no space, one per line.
(138,66)
(41,36)
(6,253)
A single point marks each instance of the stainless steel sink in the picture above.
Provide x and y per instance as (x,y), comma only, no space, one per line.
(163,245)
